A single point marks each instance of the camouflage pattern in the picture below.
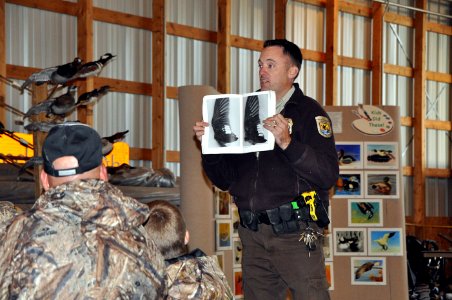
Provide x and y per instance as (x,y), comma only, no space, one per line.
(7,212)
(196,276)
(81,240)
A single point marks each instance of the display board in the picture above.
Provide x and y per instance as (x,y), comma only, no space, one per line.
(365,244)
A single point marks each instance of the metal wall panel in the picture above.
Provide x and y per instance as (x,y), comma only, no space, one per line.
(195,13)
(305,26)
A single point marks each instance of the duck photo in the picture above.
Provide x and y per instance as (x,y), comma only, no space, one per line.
(349,155)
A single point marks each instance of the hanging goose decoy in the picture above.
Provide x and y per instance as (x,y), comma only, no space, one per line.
(220,123)
(59,106)
(94,68)
(253,126)
(39,126)
(56,75)
(66,72)
(92,96)
(65,103)
(108,141)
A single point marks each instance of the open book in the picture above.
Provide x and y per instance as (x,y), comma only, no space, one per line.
(236,122)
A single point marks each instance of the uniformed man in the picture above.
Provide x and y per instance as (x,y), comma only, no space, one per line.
(282,194)
(83,238)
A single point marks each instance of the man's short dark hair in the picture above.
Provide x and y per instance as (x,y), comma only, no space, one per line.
(289,48)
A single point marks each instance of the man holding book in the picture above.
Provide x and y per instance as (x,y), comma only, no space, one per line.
(282,194)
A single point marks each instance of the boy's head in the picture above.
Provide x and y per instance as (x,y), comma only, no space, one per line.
(166,226)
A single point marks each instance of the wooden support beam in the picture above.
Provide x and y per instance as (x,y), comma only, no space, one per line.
(85,52)
(58,6)
(332,11)
(2,61)
(124,19)
(39,94)
(191,32)
(246,43)
(280,19)
(419,113)
(224,46)
(158,83)
(377,53)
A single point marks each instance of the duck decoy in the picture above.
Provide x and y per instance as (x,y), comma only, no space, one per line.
(94,68)
(92,96)
(55,75)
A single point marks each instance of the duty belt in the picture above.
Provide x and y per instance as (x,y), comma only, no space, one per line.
(306,207)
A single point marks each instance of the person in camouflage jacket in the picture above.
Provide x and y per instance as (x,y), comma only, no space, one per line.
(191,275)
(83,239)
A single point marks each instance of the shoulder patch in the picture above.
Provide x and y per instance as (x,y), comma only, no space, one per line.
(324,126)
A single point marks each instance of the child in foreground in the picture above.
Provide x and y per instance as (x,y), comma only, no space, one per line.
(189,275)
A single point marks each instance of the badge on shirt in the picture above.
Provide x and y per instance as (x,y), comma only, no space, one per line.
(324,126)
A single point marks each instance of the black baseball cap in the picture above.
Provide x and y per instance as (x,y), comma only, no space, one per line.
(72,139)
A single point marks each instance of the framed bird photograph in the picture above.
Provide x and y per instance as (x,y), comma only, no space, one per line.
(365,212)
(238,283)
(223,234)
(222,204)
(235,220)
(385,241)
(368,270)
(349,185)
(349,241)
(329,272)
(349,155)
(382,184)
(382,155)
(220,259)
(328,246)
(237,252)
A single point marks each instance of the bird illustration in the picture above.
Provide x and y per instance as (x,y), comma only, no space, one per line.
(351,184)
(383,187)
(366,208)
(92,96)
(220,123)
(381,156)
(108,141)
(345,159)
(366,267)
(58,106)
(94,68)
(55,75)
(383,242)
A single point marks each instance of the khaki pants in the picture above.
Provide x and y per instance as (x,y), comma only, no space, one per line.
(272,263)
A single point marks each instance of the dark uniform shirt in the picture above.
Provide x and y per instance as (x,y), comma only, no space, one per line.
(272,178)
